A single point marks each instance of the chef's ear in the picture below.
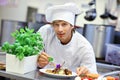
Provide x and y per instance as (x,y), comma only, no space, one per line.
(72,26)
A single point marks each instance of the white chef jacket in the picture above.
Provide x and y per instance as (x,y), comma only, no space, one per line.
(78,52)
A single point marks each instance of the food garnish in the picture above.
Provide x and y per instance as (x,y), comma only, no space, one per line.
(59,70)
(50,59)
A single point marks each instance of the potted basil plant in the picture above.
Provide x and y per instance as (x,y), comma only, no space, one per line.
(21,56)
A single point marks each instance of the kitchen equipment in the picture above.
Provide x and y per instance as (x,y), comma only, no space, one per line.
(98,36)
(92,2)
(117,37)
(105,15)
(91,13)
(35,25)
(79,29)
(113,54)
(7,27)
(109,74)
(107,12)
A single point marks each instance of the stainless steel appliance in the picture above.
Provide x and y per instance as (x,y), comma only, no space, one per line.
(98,36)
(7,27)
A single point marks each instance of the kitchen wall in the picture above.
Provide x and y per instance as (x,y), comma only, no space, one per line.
(100,9)
(19,12)
(100,4)
(14,12)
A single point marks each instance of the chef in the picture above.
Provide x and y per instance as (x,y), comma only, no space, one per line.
(64,43)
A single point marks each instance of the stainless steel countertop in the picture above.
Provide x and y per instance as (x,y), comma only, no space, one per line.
(36,75)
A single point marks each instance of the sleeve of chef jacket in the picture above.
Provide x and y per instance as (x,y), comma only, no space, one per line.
(44,33)
(85,55)
(89,58)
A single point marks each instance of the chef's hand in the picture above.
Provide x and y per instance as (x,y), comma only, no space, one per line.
(82,70)
(42,60)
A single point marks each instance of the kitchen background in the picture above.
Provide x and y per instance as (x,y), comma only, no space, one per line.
(99,21)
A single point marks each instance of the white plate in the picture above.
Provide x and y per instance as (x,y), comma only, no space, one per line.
(57,75)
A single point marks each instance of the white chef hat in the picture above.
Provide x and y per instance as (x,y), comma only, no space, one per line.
(64,12)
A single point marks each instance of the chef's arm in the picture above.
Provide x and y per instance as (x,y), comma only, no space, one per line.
(87,61)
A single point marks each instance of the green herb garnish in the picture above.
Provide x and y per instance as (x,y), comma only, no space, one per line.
(50,59)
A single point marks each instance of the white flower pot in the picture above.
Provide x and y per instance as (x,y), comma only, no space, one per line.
(13,64)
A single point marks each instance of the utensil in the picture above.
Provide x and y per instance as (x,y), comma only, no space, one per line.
(50,59)
(62,64)
(52,64)
(91,13)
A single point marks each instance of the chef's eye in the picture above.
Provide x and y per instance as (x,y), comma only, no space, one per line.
(64,24)
(55,25)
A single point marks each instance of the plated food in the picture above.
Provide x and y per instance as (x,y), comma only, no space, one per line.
(110,78)
(93,76)
(90,76)
(49,74)
(60,71)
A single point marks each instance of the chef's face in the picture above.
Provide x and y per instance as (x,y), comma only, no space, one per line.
(63,30)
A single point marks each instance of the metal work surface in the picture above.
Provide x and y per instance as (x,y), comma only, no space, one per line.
(103,69)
